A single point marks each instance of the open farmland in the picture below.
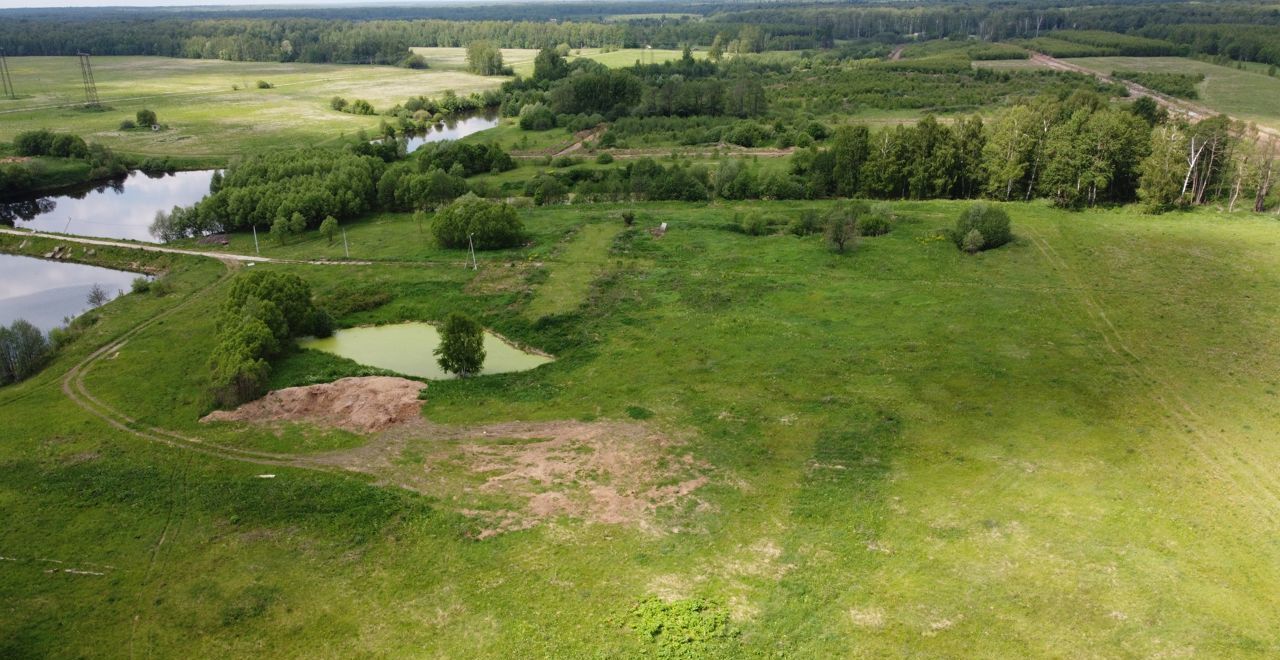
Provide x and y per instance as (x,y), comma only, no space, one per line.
(212,108)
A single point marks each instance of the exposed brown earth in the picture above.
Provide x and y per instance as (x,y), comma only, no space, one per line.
(361,405)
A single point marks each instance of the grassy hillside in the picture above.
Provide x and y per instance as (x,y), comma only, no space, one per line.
(212,108)
(1066,445)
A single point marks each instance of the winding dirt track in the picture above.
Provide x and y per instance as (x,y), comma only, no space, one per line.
(1193,111)
(73,386)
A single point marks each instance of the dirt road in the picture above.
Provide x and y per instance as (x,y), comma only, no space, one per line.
(1192,111)
(221,256)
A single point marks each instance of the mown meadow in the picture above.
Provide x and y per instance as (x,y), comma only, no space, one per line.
(1057,446)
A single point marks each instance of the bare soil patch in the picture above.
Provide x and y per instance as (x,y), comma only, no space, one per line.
(516,475)
(361,405)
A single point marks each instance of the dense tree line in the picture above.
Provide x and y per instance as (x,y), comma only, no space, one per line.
(686,87)
(303,186)
(288,39)
(383,35)
(1076,152)
(292,191)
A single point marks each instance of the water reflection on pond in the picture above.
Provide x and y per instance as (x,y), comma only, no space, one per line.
(407,348)
(453,129)
(122,208)
(47,292)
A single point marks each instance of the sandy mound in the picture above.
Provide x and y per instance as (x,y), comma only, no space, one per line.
(362,405)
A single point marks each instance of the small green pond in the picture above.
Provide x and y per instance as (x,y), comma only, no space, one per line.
(407,348)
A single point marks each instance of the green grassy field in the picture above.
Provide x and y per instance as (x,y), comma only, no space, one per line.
(1063,447)
(198,101)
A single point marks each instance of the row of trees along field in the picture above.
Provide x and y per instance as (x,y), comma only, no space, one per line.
(1077,152)
(1240,30)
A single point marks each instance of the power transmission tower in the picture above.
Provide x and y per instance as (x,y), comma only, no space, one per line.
(90,87)
(4,77)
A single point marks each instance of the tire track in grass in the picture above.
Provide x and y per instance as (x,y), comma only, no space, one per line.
(1263,492)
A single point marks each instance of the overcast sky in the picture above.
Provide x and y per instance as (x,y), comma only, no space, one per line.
(11,4)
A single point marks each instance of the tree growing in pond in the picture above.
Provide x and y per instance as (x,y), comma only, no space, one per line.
(329,228)
(461,349)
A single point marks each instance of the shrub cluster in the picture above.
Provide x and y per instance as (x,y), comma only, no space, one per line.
(472,220)
(981,227)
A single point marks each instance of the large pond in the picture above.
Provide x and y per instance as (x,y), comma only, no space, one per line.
(407,348)
(46,293)
(453,129)
(122,208)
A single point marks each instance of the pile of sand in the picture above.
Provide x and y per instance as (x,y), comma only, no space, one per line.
(362,405)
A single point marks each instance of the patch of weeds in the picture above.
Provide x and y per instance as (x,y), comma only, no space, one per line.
(349,298)
(251,603)
(686,628)
(636,412)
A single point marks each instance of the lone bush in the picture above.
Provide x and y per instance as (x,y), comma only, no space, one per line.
(842,225)
(461,349)
(991,222)
(262,84)
(491,225)
(146,118)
